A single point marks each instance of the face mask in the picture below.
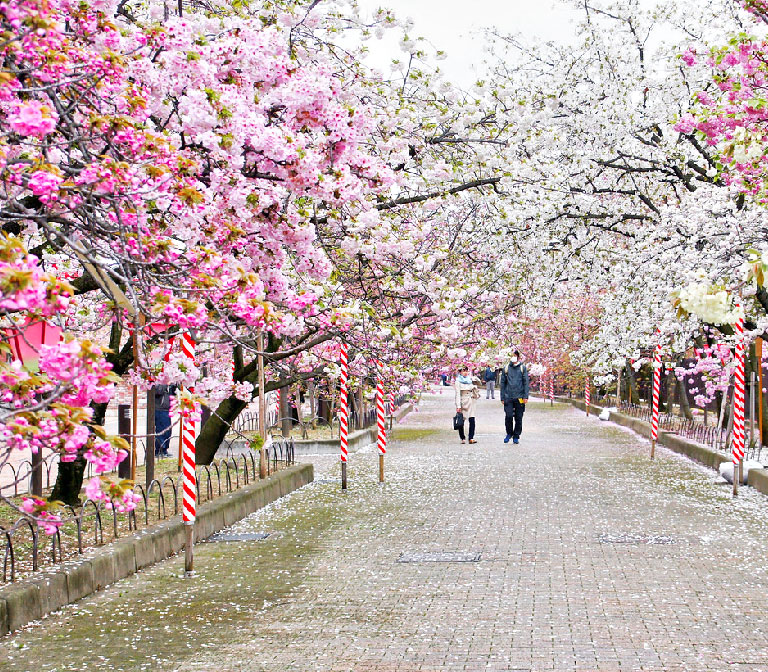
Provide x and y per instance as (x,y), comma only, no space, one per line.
(514,360)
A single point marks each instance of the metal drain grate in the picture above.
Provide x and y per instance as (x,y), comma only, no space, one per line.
(238,536)
(634,539)
(438,556)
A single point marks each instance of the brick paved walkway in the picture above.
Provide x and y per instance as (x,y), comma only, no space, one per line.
(591,558)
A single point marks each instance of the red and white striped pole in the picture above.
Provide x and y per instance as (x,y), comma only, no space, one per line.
(189,484)
(381,419)
(586,395)
(344,412)
(737,452)
(551,390)
(656,394)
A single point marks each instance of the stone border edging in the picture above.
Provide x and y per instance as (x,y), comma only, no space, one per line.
(697,452)
(49,590)
(756,478)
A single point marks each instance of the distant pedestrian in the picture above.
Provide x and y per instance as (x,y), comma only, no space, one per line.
(444,379)
(514,395)
(163,394)
(467,395)
(489,376)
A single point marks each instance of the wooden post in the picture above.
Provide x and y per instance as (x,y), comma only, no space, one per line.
(124,430)
(360,406)
(181,443)
(135,398)
(189,567)
(381,468)
(723,405)
(730,433)
(751,407)
(149,451)
(262,408)
(36,478)
(759,357)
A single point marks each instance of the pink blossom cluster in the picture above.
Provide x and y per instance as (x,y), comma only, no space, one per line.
(47,519)
(104,456)
(24,286)
(32,118)
(117,495)
(732,120)
(186,406)
(713,366)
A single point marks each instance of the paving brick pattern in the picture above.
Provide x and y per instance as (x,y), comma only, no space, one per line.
(592,557)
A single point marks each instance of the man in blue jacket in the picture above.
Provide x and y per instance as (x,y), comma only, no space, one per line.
(490,381)
(514,395)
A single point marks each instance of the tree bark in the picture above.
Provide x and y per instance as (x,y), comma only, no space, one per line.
(634,396)
(285,412)
(213,432)
(69,482)
(685,408)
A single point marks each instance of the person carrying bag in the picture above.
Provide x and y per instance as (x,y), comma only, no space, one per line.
(467,395)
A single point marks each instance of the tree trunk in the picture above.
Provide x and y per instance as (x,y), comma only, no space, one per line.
(69,482)
(634,396)
(312,402)
(285,412)
(685,408)
(213,432)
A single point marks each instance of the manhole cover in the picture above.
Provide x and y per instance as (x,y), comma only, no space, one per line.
(634,539)
(439,556)
(238,536)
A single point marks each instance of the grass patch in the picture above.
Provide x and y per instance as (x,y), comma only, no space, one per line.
(412,434)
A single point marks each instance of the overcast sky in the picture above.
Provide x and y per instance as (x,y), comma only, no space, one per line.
(455,26)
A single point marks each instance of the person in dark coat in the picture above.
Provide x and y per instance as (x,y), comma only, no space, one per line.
(163,394)
(514,396)
(490,382)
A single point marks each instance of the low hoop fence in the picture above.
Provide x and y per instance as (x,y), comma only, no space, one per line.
(19,476)
(27,549)
(708,435)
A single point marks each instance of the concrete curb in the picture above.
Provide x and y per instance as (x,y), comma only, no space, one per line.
(697,452)
(47,591)
(356,440)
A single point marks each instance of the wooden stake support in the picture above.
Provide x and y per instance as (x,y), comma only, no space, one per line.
(189,570)
(381,468)
(759,357)
(262,408)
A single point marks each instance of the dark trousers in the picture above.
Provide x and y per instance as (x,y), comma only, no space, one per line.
(513,417)
(162,431)
(471,430)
